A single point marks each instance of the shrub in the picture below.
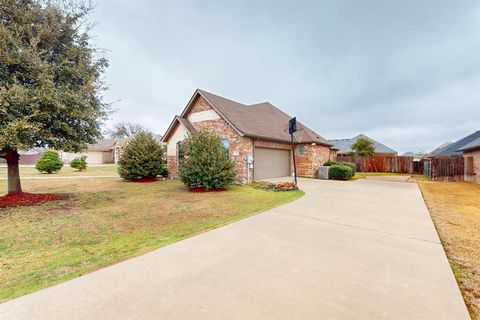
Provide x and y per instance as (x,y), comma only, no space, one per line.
(329,163)
(206,164)
(142,157)
(349,164)
(79,163)
(49,162)
(164,172)
(340,172)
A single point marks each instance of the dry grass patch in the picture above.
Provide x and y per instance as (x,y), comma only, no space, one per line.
(98,170)
(455,210)
(106,221)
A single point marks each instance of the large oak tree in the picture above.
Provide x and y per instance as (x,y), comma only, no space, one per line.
(50,80)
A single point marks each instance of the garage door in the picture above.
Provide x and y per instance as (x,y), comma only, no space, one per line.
(271,163)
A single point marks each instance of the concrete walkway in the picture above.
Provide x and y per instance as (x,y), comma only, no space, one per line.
(364,249)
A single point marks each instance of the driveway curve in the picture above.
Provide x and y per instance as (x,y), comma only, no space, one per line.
(347,250)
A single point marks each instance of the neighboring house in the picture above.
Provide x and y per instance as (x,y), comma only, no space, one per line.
(30,156)
(415,155)
(344,146)
(256,137)
(471,153)
(98,153)
(453,149)
(443,145)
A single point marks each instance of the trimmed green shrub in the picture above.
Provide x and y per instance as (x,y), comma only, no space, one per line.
(206,164)
(79,163)
(340,172)
(164,172)
(49,162)
(329,163)
(349,164)
(142,157)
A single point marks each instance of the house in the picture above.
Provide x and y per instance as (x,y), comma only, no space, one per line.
(453,149)
(30,156)
(471,154)
(344,146)
(256,137)
(415,155)
(443,145)
(103,151)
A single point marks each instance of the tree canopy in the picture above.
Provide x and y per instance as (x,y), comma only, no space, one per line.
(122,130)
(50,79)
(363,147)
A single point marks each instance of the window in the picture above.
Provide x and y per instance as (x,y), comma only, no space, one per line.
(180,154)
(301,150)
(226,144)
(470,166)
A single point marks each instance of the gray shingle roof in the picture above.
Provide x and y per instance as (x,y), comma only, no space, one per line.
(345,145)
(102,145)
(454,149)
(475,144)
(262,120)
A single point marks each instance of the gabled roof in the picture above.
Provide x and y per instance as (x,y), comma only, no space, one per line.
(178,119)
(453,149)
(262,120)
(102,145)
(475,144)
(345,145)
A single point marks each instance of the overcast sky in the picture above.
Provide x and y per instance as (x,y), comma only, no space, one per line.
(406,73)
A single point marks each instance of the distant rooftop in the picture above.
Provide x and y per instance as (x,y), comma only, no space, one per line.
(455,149)
(345,145)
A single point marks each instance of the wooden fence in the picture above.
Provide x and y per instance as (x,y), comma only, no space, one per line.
(445,169)
(397,164)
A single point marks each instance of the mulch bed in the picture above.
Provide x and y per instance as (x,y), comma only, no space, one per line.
(145,180)
(28,199)
(197,190)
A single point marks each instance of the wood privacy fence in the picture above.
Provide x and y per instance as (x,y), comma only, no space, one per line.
(445,169)
(397,164)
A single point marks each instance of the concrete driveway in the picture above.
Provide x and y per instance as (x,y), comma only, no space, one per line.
(347,250)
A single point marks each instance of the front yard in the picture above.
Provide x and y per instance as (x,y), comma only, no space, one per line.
(106,221)
(93,170)
(455,210)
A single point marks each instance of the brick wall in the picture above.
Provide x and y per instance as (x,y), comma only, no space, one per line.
(240,147)
(476,166)
(314,156)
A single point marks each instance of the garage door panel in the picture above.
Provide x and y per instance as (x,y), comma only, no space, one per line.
(271,163)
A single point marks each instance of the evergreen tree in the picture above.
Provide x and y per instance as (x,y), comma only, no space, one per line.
(49,162)
(206,163)
(363,147)
(142,157)
(49,80)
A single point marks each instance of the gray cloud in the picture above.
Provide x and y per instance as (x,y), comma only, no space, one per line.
(405,72)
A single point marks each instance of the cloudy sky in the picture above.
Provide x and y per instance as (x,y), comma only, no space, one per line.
(406,73)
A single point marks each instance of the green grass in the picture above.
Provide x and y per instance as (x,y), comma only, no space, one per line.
(363,175)
(109,169)
(106,221)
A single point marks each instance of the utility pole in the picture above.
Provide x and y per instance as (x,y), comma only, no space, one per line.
(292,128)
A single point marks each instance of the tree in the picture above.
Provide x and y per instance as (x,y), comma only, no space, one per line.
(363,147)
(122,130)
(142,157)
(49,80)
(49,162)
(79,163)
(206,163)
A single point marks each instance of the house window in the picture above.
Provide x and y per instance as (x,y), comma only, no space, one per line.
(469,166)
(226,144)
(301,150)
(180,154)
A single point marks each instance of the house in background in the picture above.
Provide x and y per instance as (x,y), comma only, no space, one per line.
(344,146)
(416,155)
(443,145)
(453,149)
(471,154)
(256,137)
(103,151)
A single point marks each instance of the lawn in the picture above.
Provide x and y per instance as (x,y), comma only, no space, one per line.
(29,171)
(455,210)
(413,177)
(106,221)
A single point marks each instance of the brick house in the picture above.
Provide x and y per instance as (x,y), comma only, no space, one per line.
(471,155)
(256,137)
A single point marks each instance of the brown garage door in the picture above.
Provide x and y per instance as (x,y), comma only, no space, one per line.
(271,163)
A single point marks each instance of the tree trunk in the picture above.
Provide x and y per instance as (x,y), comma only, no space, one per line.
(12,158)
